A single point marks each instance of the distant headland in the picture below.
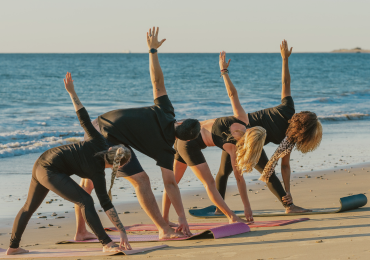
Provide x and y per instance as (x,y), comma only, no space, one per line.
(354,50)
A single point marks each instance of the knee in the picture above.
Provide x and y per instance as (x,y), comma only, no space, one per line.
(209,184)
(86,201)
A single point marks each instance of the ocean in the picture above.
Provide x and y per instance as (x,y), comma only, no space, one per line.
(37,113)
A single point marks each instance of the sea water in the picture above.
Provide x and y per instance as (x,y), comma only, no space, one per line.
(37,113)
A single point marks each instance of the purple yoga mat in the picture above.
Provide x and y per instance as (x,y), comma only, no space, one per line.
(217,232)
(39,253)
(206,226)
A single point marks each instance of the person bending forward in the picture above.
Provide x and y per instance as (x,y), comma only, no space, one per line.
(87,159)
(234,136)
(284,128)
(152,131)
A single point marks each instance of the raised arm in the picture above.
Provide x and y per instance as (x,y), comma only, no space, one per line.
(81,112)
(68,83)
(231,90)
(156,74)
(285,75)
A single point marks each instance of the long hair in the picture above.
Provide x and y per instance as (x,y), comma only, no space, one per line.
(117,155)
(305,130)
(249,148)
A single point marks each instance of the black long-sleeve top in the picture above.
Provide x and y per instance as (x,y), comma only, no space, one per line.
(79,159)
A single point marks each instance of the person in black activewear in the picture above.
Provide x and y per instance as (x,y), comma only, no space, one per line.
(152,131)
(303,130)
(233,135)
(87,159)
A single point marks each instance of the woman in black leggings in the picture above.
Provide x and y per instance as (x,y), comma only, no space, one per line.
(87,159)
(285,128)
(232,134)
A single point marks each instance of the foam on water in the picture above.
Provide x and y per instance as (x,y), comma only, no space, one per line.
(37,114)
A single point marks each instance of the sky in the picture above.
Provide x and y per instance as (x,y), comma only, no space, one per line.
(193,26)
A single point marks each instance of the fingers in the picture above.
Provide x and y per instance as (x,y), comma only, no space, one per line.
(156,34)
(291,49)
(228,62)
(187,232)
(150,31)
(147,36)
(161,42)
(153,31)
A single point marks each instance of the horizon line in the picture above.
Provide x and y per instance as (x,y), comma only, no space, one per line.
(165,52)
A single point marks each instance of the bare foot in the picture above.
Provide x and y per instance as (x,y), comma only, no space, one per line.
(170,234)
(295,209)
(84,236)
(238,220)
(218,212)
(111,247)
(16,251)
(171,224)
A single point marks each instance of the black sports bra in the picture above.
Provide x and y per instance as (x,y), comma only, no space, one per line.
(221,130)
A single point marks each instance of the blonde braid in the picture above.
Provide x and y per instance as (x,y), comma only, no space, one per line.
(116,163)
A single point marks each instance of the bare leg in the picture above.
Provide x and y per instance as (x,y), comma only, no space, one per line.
(147,201)
(81,231)
(203,173)
(179,170)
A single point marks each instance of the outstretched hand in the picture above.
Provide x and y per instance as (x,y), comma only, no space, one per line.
(68,83)
(222,62)
(285,52)
(152,39)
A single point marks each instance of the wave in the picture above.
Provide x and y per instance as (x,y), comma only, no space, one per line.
(344,117)
(34,146)
(24,136)
(25,142)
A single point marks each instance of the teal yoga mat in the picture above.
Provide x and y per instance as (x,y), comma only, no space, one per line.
(346,203)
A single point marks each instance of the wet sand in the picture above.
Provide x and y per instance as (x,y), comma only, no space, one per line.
(330,236)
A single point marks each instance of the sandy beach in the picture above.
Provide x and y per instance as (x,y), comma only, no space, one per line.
(329,236)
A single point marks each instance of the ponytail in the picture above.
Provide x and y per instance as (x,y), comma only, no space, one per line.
(117,155)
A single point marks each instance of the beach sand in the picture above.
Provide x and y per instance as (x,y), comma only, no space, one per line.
(329,236)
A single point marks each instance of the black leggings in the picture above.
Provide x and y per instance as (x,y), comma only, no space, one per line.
(44,180)
(226,169)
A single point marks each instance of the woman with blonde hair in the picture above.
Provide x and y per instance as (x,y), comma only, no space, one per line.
(301,130)
(87,159)
(232,134)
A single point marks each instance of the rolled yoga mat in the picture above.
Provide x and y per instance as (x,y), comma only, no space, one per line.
(205,226)
(217,232)
(50,253)
(346,203)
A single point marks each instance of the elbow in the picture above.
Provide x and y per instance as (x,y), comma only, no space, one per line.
(286,82)
(233,94)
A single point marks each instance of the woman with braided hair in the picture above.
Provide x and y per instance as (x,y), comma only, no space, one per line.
(301,130)
(86,159)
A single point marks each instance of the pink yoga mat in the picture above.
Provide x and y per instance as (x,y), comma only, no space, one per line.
(215,232)
(39,253)
(206,226)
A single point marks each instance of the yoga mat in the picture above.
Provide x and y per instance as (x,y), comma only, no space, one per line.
(205,226)
(39,253)
(346,203)
(217,232)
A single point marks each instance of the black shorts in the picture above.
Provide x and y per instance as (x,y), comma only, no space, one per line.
(132,167)
(189,152)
